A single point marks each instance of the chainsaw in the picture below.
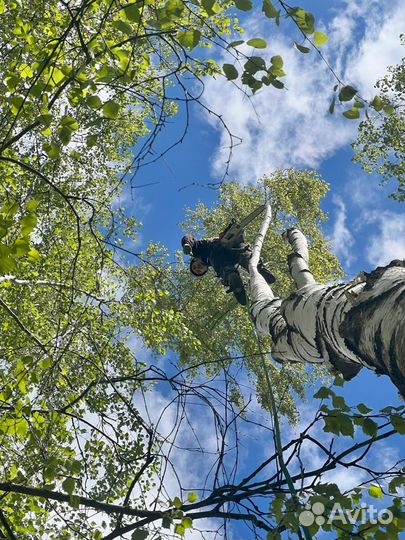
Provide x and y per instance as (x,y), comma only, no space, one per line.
(233,234)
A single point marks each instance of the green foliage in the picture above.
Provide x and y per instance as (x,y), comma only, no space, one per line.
(380,146)
(347,93)
(70,118)
(257,43)
(230,71)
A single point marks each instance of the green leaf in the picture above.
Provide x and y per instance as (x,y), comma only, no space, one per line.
(94,102)
(70,122)
(320,39)
(179,529)
(111,109)
(301,48)
(339,403)
(375,491)
(244,5)
(52,150)
(132,13)
(388,108)
(363,409)
(123,27)
(32,205)
(177,503)
(369,427)
(269,10)
(192,497)
(45,363)
(140,534)
(46,119)
(396,483)
(257,43)
(211,7)
(235,43)
(33,256)
(377,103)
(28,224)
(324,393)
(91,140)
(230,71)
(347,93)
(187,522)
(304,20)
(68,485)
(277,61)
(332,106)
(75,466)
(74,501)
(166,522)
(189,39)
(254,64)
(21,427)
(174,8)
(352,114)
(359,104)
(345,425)
(64,134)
(56,76)
(399,423)
(277,84)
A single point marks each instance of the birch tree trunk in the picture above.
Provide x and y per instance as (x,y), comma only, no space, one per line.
(344,326)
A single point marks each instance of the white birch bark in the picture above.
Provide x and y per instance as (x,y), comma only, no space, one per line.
(344,326)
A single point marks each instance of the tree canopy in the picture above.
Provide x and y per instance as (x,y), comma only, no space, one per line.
(380,143)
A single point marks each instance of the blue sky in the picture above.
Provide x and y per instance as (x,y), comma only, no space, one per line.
(292,128)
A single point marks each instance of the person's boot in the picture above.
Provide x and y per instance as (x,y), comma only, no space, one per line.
(236,285)
(265,272)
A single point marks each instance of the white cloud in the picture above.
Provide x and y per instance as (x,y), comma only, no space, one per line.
(389,242)
(341,238)
(379,49)
(364,190)
(293,127)
(279,128)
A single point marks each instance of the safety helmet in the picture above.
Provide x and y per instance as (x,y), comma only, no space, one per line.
(197,267)
(187,243)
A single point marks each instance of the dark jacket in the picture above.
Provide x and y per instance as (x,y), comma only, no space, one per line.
(213,253)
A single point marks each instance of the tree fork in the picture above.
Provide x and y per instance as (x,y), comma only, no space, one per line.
(344,326)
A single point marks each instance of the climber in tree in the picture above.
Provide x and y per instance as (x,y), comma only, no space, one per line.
(225,261)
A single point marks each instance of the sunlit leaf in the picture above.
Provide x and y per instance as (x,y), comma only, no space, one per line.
(257,43)
(352,114)
(375,491)
(111,109)
(189,39)
(377,103)
(320,39)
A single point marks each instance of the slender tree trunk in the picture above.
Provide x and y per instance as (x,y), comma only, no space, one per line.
(344,326)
